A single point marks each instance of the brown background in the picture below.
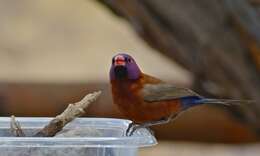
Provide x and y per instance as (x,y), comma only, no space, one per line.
(53,52)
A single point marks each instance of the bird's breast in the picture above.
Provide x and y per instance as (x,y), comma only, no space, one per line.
(129,99)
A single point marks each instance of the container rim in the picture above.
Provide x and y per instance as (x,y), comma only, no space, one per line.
(142,138)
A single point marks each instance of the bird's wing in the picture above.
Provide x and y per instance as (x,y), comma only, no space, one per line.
(161,92)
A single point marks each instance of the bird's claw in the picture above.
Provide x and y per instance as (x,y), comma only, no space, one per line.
(132,127)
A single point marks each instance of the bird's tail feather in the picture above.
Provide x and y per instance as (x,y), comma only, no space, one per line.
(227,102)
(188,102)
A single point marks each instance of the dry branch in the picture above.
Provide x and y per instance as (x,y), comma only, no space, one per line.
(15,127)
(70,113)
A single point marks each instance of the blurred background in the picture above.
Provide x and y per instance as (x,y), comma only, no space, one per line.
(53,52)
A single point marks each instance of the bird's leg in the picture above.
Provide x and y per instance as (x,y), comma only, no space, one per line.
(132,127)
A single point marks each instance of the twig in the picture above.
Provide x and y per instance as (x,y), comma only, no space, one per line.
(70,113)
(16,127)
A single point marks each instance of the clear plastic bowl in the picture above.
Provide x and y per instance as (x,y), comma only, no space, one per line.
(91,137)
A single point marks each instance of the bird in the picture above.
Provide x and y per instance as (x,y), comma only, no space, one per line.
(147,100)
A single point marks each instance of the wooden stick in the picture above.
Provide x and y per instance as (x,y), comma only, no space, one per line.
(15,127)
(70,113)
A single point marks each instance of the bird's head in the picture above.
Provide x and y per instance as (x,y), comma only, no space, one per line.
(124,67)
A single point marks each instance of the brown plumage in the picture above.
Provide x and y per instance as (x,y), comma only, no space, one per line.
(149,101)
(127,95)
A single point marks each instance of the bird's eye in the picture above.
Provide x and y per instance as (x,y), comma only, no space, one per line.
(129,60)
(113,61)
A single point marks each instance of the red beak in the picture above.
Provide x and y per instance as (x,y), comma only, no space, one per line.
(119,60)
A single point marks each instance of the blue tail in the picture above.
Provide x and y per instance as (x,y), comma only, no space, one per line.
(191,101)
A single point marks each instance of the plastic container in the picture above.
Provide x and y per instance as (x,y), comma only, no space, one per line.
(82,137)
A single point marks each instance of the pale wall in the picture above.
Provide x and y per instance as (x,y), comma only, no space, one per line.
(70,41)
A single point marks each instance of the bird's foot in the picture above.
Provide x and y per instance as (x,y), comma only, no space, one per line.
(132,127)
